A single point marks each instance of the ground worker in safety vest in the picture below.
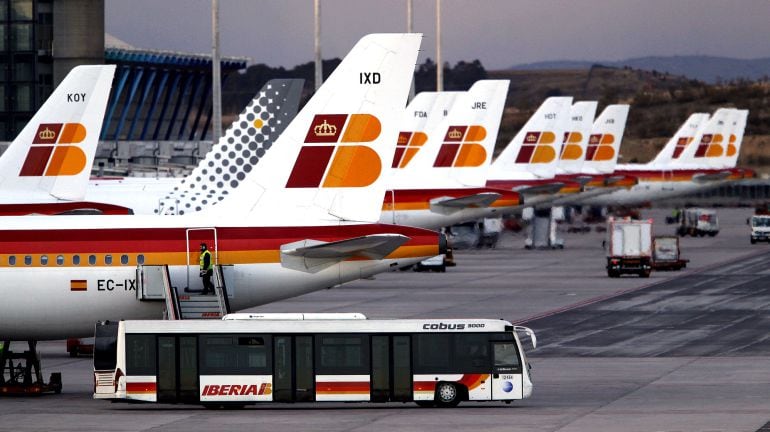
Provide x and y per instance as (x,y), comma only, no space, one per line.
(207,270)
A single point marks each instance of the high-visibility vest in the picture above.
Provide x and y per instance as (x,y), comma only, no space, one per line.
(202,260)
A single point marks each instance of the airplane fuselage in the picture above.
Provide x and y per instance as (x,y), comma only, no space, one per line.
(58,282)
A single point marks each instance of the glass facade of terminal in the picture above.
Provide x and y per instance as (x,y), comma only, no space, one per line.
(26,75)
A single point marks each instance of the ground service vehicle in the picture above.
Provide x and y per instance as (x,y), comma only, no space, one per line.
(237,362)
(630,247)
(699,222)
(666,254)
(760,228)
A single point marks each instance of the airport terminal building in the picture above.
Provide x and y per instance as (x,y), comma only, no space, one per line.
(159,112)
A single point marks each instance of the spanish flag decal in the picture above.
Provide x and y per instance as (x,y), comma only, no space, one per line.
(79,285)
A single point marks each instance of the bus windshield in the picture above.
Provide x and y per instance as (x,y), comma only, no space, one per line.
(105,345)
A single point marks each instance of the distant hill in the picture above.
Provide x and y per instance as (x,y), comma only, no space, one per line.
(704,68)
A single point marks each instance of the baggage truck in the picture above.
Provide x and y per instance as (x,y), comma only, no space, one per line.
(666,254)
(630,247)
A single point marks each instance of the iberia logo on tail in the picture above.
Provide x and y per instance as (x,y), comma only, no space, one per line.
(710,146)
(51,153)
(571,146)
(538,147)
(338,165)
(681,143)
(600,147)
(408,144)
(462,148)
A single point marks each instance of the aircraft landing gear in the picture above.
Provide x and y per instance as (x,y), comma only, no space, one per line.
(25,377)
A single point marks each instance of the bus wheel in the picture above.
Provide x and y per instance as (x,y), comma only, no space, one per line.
(447,394)
(425,404)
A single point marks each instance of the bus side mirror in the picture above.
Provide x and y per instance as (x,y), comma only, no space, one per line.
(528,331)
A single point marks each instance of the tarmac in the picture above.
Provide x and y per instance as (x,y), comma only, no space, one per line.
(680,351)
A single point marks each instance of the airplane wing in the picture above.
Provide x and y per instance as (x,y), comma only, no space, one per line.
(447,205)
(705,178)
(313,255)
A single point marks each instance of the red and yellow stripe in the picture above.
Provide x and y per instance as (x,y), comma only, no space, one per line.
(159,246)
(342,387)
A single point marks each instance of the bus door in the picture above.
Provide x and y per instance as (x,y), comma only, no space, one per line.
(391,368)
(507,380)
(194,237)
(177,369)
(293,378)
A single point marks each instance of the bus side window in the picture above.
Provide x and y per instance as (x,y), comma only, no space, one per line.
(234,355)
(431,353)
(140,354)
(342,354)
(472,352)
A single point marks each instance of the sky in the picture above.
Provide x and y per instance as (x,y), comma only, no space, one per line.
(500,33)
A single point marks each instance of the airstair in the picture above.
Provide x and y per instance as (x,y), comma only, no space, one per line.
(155,285)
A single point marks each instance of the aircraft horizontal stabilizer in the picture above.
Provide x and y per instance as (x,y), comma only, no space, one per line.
(313,255)
(706,178)
(448,205)
(548,188)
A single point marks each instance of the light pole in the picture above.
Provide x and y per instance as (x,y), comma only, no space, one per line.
(318,64)
(216,73)
(439,64)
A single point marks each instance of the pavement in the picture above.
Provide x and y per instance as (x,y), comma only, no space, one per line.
(680,351)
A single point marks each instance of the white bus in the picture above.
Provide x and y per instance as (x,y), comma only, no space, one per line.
(241,361)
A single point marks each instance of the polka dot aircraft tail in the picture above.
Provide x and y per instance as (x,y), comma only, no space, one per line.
(239,151)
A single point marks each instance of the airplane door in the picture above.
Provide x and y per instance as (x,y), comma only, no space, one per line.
(389,207)
(194,237)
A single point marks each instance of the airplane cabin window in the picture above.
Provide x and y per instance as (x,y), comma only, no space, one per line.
(43,259)
(92,259)
(140,259)
(59,259)
(108,259)
(124,259)
(12,260)
(27,260)
(76,259)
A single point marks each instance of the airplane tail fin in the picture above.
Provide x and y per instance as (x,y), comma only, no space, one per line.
(573,150)
(604,143)
(709,144)
(55,151)
(459,148)
(330,159)
(681,139)
(239,150)
(412,134)
(534,151)
(736,138)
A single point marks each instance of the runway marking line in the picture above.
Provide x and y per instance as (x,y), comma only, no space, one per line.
(600,298)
